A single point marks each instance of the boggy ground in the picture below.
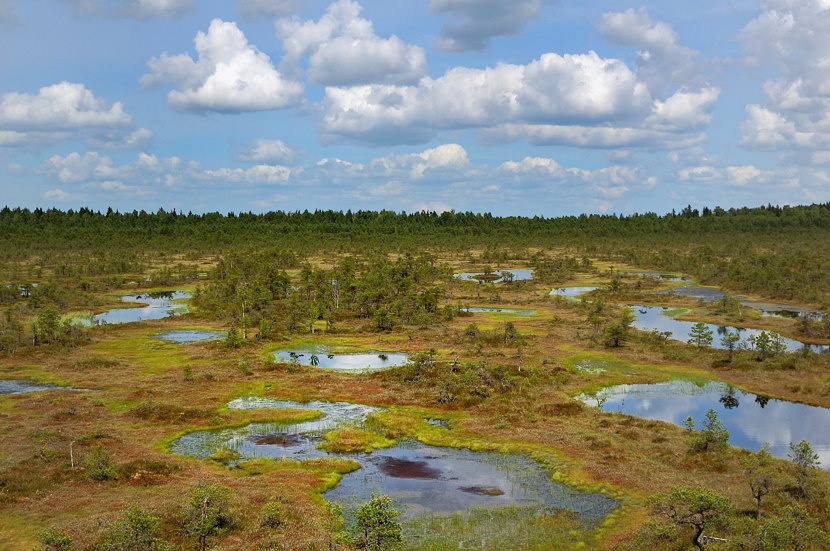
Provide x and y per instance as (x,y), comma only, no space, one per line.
(511,391)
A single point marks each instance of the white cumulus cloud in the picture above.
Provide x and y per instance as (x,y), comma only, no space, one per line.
(343,49)
(700,173)
(229,76)
(600,185)
(262,174)
(447,158)
(63,105)
(269,151)
(148,174)
(480,21)
(684,110)
(569,89)
(790,37)
(76,168)
(661,60)
(540,166)
(742,175)
(66,111)
(115,187)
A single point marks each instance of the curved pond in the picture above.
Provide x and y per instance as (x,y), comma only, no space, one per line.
(647,318)
(187,336)
(751,419)
(766,308)
(518,275)
(22,386)
(158,305)
(363,361)
(421,478)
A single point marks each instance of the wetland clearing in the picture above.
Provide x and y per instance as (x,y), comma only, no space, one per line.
(565,404)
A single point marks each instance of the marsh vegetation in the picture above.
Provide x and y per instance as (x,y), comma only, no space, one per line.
(216,421)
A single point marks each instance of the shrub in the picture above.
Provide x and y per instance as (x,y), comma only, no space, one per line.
(270,516)
(99,465)
(234,338)
(138,531)
(206,513)
(712,434)
(53,540)
(375,526)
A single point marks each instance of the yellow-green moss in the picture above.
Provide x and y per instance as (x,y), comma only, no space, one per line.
(352,440)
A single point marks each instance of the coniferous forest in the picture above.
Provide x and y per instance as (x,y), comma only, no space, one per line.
(313,380)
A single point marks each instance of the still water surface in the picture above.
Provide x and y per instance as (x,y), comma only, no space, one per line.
(648,318)
(751,419)
(421,478)
(22,386)
(364,361)
(518,275)
(187,336)
(158,306)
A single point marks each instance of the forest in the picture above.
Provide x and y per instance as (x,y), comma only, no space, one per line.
(380,380)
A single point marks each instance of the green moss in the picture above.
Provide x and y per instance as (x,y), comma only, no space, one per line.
(329,471)
(224,456)
(676,311)
(136,346)
(6,404)
(616,371)
(352,440)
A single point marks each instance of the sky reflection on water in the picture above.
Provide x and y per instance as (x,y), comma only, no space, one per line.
(750,419)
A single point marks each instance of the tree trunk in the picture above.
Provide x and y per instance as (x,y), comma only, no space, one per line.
(698,532)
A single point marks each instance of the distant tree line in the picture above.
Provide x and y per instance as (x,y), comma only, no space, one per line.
(779,252)
(40,228)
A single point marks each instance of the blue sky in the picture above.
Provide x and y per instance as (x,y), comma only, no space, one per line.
(528,107)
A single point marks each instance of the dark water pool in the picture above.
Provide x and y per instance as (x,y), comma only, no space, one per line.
(421,478)
(429,479)
(750,419)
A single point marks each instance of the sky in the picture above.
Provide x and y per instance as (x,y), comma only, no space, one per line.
(527,107)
